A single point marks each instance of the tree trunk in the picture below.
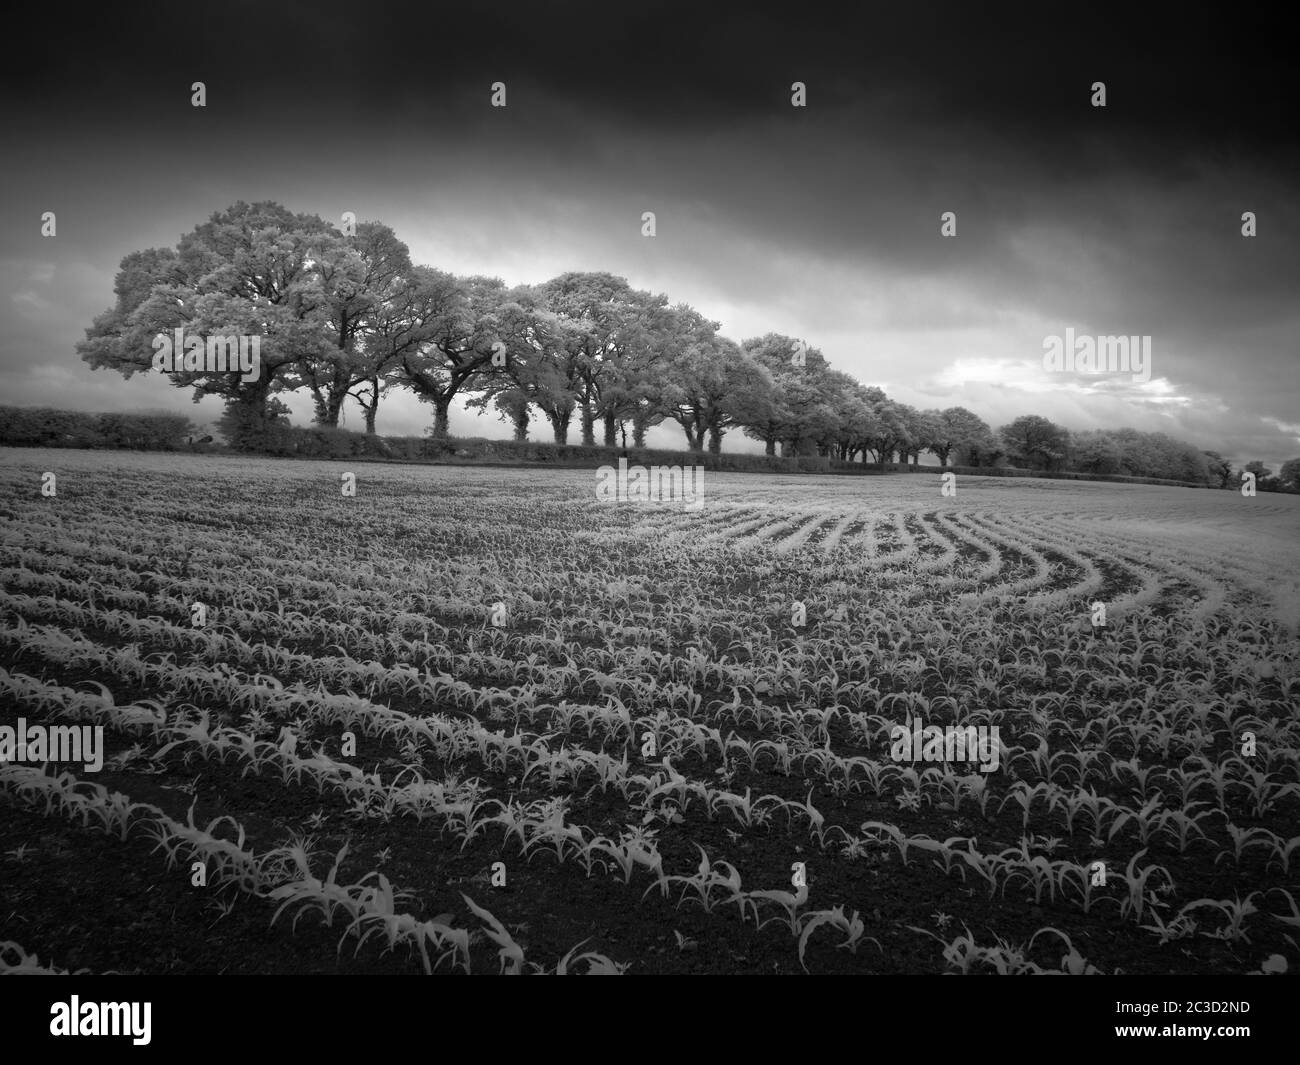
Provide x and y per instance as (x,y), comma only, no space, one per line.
(322,402)
(588,427)
(770,449)
(560,427)
(334,408)
(440,420)
(371,408)
(611,430)
(715,440)
(253,396)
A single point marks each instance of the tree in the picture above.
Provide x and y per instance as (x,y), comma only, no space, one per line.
(268,432)
(845,418)
(712,385)
(248,271)
(690,374)
(956,428)
(542,362)
(367,284)
(514,405)
(1096,451)
(1289,477)
(983,451)
(860,422)
(796,410)
(457,323)
(923,432)
(890,432)
(1218,469)
(620,333)
(1264,479)
(1037,442)
(768,417)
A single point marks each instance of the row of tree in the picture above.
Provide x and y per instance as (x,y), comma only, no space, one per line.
(347,313)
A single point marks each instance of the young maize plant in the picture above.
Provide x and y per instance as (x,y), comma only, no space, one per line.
(1236,910)
(1142,775)
(1023,795)
(1284,849)
(1263,793)
(550,829)
(513,819)
(949,789)
(787,901)
(816,820)
(1245,838)
(1035,869)
(1136,901)
(226,860)
(1184,823)
(1072,962)
(377,914)
(1293,921)
(372,909)
(1008,960)
(1074,804)
(112,812)
(986,866)
(961,953)
(945,850)
(1189,783)
(1181,927)
(636,847)
(975,788)
(510,953)
(1080,876)
(1147,820)
(852,927)
(597,964)
(310,894)
(892,832)
(704,881)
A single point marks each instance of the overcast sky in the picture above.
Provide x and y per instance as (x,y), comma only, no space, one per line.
(820,222)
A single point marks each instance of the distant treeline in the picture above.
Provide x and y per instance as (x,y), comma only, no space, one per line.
(48,427)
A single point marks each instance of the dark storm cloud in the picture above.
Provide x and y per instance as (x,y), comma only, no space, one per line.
(1188,77)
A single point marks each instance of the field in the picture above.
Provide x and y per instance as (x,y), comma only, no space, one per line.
(472,720)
